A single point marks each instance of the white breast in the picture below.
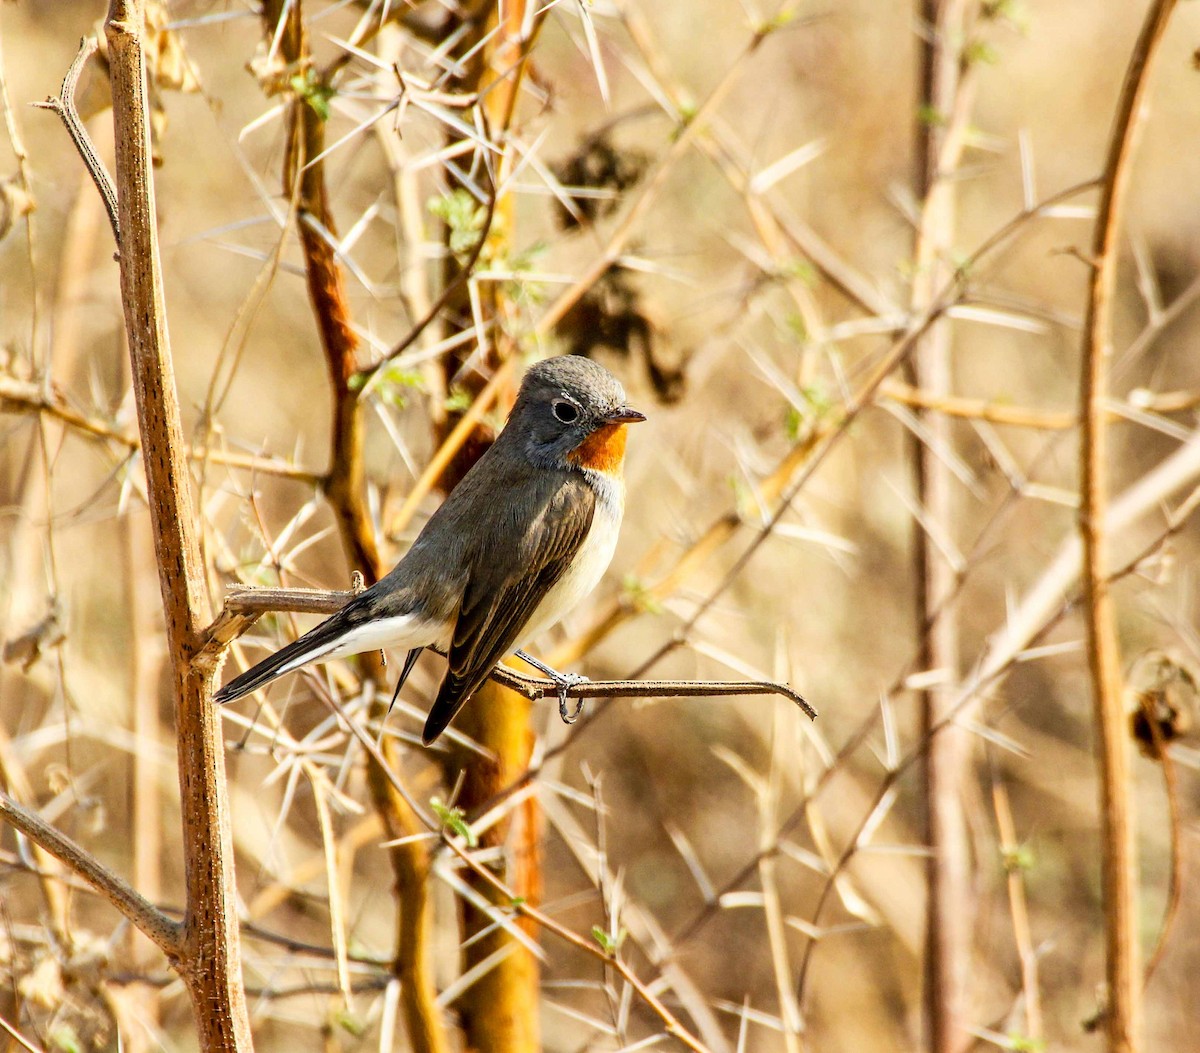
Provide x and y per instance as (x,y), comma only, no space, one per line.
(595,554)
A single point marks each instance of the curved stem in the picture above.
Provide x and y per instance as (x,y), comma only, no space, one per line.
(1120,882)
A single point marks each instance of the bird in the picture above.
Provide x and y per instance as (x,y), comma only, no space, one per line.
(520,541)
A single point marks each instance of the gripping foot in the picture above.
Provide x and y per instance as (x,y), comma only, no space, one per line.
(562,681)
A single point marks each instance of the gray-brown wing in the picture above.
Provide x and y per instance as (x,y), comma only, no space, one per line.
(515,567)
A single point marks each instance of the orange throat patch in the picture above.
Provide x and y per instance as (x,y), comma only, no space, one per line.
(602,451)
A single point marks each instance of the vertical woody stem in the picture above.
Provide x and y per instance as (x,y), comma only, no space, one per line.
(945,93)
(210,963)
(1116,806)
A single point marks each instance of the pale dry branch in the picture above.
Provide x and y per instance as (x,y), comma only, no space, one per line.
(995,412)
(1018,906)
(947,90)
(211,961)
(166,934)
(63,104)
(23,396)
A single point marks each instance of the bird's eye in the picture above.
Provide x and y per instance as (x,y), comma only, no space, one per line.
(564,411)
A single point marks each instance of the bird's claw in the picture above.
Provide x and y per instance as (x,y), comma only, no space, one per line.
(564,682)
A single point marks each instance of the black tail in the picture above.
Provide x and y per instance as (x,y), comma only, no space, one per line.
(307,648)
(451,697)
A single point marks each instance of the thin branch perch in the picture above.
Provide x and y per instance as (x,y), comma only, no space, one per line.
(244,604)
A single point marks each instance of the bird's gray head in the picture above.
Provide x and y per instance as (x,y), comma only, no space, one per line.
(565,402)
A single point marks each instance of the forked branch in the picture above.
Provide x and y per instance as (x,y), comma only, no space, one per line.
(64,105)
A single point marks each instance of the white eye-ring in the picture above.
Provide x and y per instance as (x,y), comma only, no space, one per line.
(565,411)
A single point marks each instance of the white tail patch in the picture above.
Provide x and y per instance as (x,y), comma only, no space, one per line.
(403,632)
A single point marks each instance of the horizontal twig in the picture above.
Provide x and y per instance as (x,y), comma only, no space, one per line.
(1049,420)
(27,396)
(245,603)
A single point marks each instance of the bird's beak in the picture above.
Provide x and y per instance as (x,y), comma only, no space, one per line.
(624,415)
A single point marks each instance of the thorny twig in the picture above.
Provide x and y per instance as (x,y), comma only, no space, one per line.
(447,294)
(518,904)
(990,668)
(22,396)
(167,934)
(895,356)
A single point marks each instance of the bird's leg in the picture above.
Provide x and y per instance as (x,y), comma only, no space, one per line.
(562,681)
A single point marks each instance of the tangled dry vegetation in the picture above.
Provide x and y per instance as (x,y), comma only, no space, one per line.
(911,307)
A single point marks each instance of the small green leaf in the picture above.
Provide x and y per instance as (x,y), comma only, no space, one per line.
(1018,858)
(1011,12)
(350,1022)
(608,943)
(395,382)
(454,819)
(779,21)
(744,499)
(818,398)
(313,91)
(1024,1044)
(64,1038)
(931,116)
(817,406)
(980,52)
(798,326)
(527,257)
(458,401)
(792,423)
(800,268)
(636,593)
(463,215)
